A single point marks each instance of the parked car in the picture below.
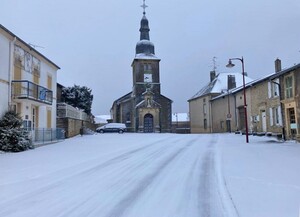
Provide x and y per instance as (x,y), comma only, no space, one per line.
(112,127)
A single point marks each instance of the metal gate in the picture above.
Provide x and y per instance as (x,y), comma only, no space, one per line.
(148,123)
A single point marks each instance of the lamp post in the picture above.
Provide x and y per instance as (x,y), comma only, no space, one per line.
(230,65)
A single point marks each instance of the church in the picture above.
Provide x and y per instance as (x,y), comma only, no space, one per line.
(144,109)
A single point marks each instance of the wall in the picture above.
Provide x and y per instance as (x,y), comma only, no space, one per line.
(72,126)
(4,73)
(262,99)
(198,114)
(220,108)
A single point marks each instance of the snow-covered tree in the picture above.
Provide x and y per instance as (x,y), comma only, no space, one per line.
(12,137)
(80,97)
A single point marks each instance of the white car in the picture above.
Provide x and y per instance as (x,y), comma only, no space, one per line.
(112,127)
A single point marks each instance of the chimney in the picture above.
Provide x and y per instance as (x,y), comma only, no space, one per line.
(277,65)
(231,82)
(212,75)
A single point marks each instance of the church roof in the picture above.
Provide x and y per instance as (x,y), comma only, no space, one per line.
(144,46)
(123,98)
(220,84)
(142,56)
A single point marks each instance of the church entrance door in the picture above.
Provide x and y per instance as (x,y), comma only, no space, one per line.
(148,123)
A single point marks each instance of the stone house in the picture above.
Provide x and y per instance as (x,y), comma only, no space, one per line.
(269,107)
(201,116)
(288,84)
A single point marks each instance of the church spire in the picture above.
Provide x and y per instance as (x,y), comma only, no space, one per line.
(144,6)
(144,30)
(144,45)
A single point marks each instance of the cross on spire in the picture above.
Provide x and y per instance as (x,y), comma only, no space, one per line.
(144,6)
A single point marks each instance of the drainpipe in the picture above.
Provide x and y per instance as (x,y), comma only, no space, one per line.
(10,69)
(235,114)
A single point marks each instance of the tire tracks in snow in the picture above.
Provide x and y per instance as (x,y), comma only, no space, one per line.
(133,195)
(82,176)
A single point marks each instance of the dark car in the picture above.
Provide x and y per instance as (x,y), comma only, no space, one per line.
(112,127)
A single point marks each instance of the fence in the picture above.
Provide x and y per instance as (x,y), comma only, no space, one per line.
(42,135)
(67,111)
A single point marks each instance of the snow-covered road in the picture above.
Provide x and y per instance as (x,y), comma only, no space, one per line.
(153,175)
(114,175)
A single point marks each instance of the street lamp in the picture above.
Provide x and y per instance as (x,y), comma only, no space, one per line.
(230,65)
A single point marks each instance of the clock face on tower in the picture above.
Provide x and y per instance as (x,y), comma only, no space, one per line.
(147,78)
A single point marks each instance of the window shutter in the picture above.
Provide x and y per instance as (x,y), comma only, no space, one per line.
(269,90)
(279,115)
(271,116)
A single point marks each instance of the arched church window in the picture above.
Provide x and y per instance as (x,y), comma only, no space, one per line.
(147,67)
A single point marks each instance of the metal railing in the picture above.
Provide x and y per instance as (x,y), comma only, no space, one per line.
(24,89)
(67,111)
(43,135)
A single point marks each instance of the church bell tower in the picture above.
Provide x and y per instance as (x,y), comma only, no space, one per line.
(144,109)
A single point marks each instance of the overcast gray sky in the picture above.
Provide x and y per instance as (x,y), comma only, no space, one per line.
(93,41)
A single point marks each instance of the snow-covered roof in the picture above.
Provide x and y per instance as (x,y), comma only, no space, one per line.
(219,84)
(145,42)
(180,117)
(102,119)
(146,56)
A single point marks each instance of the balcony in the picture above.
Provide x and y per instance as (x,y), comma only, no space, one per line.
(29,90)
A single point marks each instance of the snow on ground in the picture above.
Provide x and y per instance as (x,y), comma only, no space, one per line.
(263,176)
(149,175)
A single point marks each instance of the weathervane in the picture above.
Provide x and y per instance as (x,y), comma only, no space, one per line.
(144,6)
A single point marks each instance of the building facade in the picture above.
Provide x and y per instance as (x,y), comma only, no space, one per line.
(27,82)
(288,85)
(272,106)
(201,117)
(144,109)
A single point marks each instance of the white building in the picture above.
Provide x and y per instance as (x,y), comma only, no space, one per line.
(27,82)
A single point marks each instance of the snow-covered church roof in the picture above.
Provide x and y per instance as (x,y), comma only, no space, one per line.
(220,84)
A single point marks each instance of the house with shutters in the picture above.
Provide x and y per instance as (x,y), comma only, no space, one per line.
(272,105)
(286,82)
(27,84)
(202,118)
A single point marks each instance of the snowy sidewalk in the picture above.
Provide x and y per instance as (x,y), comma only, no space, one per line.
(263,176)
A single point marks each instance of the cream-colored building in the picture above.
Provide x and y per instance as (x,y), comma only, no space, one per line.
(201,117)
(27,82)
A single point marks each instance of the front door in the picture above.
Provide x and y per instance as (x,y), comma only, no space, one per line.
(292,122)
(148,123)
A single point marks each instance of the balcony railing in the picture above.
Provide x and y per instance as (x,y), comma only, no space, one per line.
(28,90)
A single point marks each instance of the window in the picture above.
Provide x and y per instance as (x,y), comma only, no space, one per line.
(289,87)
(273,88)
(147,67)
(49,82)
(275,116)
(204,109)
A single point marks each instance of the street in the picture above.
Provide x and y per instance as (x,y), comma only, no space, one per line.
(144,175)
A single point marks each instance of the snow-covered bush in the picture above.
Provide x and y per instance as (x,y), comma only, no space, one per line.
(12,137)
